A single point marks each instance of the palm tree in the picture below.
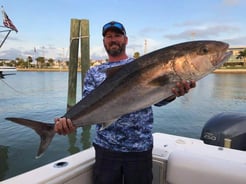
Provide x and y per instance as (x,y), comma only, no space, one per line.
(40,61)
(242,55)
(29,60)
(136,55)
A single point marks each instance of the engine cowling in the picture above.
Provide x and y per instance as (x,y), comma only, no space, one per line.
(226,130)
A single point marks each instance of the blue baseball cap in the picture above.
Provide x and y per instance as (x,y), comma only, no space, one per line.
(114,26)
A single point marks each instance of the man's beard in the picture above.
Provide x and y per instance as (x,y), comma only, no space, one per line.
(115,52)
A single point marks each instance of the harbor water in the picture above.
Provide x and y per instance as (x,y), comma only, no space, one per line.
(42,96)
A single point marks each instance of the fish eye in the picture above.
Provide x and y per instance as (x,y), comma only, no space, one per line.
(203,50)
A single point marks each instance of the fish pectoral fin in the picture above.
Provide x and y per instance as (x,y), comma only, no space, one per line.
(160,81)
(107,124)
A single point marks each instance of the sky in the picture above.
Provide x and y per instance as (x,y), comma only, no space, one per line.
(150,25)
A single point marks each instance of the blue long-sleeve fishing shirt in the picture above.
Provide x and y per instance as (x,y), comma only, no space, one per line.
(131,132)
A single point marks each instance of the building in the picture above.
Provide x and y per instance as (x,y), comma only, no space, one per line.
(233,61)
(235,53)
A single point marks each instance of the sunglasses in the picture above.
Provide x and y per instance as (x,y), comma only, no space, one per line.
(113,24)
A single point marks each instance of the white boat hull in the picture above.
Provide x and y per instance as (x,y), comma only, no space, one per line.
(7,69)
(176,160)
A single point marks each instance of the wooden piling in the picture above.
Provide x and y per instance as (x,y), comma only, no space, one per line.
(85,51)
(73,62)
(79,31)
(85,65)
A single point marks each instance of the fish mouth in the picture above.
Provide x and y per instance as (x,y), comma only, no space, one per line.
(226,56)
(220,59)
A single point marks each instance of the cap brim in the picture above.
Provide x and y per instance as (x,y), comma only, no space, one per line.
(114,29)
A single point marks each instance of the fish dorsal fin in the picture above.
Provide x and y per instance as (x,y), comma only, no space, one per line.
(111,71)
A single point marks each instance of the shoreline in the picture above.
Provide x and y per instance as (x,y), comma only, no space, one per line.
(66,70)
(42,70)
(230,71)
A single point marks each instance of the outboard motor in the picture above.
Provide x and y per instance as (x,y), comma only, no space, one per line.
(226,130)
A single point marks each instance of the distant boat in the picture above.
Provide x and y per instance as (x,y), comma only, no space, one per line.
(6,69)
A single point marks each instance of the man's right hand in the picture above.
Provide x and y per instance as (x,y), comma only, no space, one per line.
(64,126)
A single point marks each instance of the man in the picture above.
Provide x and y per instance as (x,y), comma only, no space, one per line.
(124,149)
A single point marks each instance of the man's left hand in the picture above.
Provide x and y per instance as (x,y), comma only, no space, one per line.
(183,87)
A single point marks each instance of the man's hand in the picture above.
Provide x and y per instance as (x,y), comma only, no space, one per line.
(183,87)
(64,126)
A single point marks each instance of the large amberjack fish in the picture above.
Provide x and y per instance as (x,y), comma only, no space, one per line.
(139,84)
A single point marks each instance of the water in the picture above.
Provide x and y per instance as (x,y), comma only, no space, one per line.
(43,96)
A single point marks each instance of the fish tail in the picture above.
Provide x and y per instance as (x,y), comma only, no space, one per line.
(44,130)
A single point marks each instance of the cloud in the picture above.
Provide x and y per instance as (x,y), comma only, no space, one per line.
(236,41)
(203,32)
(188,23)
(98,52)
(10,54)
(231,2)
